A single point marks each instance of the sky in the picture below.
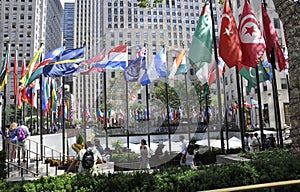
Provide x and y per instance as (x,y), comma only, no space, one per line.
(63,1)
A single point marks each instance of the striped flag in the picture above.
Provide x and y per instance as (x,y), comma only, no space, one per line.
(132,97)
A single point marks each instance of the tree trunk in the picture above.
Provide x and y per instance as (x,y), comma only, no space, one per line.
(289,13)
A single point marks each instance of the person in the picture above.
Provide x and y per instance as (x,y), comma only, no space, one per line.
(158,157)
(250,143)
(183,146)
(90,145)
(53,128)
(99,146)
(256,142)
(246,140)
(190,156)
(21,144)
(13,142)
(272,140)
(144,158)
(267,142)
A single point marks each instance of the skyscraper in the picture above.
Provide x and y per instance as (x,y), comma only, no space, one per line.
(111,23)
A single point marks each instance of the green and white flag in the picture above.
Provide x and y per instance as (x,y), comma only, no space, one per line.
(249,74)
(201,47)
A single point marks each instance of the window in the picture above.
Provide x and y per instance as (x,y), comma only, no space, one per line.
(283,83)
(276,23)
(265,88)
(112,74)
(139,96)
(286,113)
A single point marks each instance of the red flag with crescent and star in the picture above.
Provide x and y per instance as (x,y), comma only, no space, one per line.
(230,46)
(252,41)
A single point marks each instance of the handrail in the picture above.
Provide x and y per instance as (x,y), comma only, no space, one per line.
(22,168)
(257,186)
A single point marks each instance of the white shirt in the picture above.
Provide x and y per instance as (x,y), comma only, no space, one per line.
(80,154)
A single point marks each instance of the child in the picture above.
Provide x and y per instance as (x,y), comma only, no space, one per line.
(190,157)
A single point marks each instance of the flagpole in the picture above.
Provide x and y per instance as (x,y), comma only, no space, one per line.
(239,105)
(41,109)
(226,115)
(242,103)
(127,115)
(217,65)
(261,127)
(147,100)
(63,112)
(167,102)
(15,83)
(4,100)
(275,96)
(23,103)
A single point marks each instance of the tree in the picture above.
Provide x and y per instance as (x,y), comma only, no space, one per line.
(159,93)
(289,13)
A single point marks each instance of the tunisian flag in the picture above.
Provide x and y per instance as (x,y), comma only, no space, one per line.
(271,39)
(252,41)
(230,46)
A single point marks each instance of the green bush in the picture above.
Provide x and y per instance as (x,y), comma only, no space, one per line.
(2,165)
(267,166)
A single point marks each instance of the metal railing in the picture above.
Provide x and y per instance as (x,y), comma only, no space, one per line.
(38,158)
(269,186)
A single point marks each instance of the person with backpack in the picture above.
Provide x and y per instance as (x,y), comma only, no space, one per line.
(21,132)
(88,158)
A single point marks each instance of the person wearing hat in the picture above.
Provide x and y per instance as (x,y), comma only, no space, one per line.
(158,157)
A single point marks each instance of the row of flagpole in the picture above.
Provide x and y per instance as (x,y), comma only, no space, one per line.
(241,114)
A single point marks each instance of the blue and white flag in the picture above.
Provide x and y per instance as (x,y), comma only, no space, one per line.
(156,69)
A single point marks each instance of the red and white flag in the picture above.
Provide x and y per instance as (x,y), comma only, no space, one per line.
(87,115)
(230,46)
(252,41)
(212,73)
(271,39)
(132,97)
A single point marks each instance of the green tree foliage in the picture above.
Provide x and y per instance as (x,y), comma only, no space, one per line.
(159,93)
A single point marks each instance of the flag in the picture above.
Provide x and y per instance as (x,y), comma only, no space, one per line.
(268,68)
(247,105)
(16,74)
(93,69)
(53,96)
(64,64)
(201,47)
(252,41)
(45,93)
(271,39)
(132,71)
(4,69)
(230,46)
(132,97)
(204,89)
(98,58)
(33,63)
(176,67)
(38,70)
(254,103)
(156,69)
(212,75)
(21,89)
(87,115)
(249,74)
(116,59)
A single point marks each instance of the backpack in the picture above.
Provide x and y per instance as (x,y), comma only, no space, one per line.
(21,134)
(88,159)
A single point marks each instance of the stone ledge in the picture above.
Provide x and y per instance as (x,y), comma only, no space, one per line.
(231,158)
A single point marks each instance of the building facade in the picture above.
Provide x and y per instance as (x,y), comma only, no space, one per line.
(27,24)
(106,24)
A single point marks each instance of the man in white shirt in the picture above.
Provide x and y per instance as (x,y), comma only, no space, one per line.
(183,149)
